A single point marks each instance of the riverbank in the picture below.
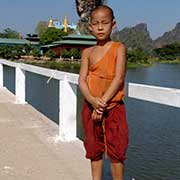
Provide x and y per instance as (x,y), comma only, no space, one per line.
(176,61)
(68,66)
(74,65)
(71,65)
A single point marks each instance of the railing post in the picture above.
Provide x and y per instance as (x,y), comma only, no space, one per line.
(20,86)
(67,110)
(1,76)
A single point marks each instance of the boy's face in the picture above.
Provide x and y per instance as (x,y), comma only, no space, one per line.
(101,24)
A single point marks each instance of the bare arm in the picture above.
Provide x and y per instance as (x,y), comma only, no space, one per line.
(83,76)
(97,103)
(119,74)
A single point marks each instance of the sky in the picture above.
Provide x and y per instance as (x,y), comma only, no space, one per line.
(23,15)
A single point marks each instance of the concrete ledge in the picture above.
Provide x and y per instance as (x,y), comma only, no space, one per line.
(162,95)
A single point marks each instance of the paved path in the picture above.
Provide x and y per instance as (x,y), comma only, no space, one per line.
(29,149)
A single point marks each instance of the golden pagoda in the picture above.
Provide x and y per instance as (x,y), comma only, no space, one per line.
(50,23)
(65,24)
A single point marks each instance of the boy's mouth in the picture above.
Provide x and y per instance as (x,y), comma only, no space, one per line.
(100,34)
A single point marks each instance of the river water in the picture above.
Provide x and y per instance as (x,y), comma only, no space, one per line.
(154,129)
(154,148)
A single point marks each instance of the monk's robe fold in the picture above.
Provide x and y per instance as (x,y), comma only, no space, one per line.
(102,73)
(116,134)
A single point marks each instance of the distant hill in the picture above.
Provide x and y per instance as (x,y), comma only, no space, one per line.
(169,37)
(137,37)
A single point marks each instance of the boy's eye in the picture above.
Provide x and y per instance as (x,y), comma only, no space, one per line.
(105,22)
(94,23)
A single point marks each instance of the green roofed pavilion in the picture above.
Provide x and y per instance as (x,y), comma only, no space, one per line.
(71,41)
(10,42)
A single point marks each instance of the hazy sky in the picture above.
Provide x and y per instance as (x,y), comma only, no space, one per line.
(23,15)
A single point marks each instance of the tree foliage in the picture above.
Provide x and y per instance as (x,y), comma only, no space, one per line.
(35,52)
(137,56)
(15,52)
(51,54)
(73,52)
(51,35)
(168,52)
(9,33)
(11,52)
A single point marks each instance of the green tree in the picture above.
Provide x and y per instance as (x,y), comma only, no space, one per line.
(36,52)
(66,54)
(9,33)
(51,35)
(11,52)
(168,52)
(136,56)
(41,27)
(27,49)
(18,51)
(73,52)
(51,54)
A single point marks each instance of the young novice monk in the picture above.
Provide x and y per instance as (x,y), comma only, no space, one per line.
(101,81)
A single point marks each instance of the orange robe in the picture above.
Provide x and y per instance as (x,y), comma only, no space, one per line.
(101,75)
(111,134)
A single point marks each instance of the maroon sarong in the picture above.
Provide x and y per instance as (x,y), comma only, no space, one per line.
(113,138)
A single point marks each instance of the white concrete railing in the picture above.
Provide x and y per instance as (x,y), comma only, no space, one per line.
(162,95)
(68,91)
(67,98)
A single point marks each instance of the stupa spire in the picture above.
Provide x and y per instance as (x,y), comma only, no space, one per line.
(51,22)
(65,24)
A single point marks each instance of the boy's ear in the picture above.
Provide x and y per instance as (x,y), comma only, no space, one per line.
(114,25)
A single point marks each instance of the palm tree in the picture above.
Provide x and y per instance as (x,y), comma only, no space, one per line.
(84,8)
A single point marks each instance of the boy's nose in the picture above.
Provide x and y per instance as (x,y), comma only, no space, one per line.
(100,27)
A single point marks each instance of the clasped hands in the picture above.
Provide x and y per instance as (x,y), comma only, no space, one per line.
(99,106)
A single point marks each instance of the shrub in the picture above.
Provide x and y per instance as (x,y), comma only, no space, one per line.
(36,52)
(136,56)
(51,54)
(73,52)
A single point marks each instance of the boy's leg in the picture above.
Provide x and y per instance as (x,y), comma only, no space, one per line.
(96,167)
(117,170)
(93,141)
(116,131)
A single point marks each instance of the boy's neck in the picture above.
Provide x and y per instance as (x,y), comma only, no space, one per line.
(103,42)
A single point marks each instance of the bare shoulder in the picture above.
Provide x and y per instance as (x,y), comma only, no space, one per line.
(121,52)
(86,52)
(122,47)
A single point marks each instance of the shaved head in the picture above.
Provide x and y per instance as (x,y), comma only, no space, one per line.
(104,8)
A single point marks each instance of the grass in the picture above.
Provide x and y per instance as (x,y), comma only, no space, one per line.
(74,66)
(68,66)
(175,61)
(136,65)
